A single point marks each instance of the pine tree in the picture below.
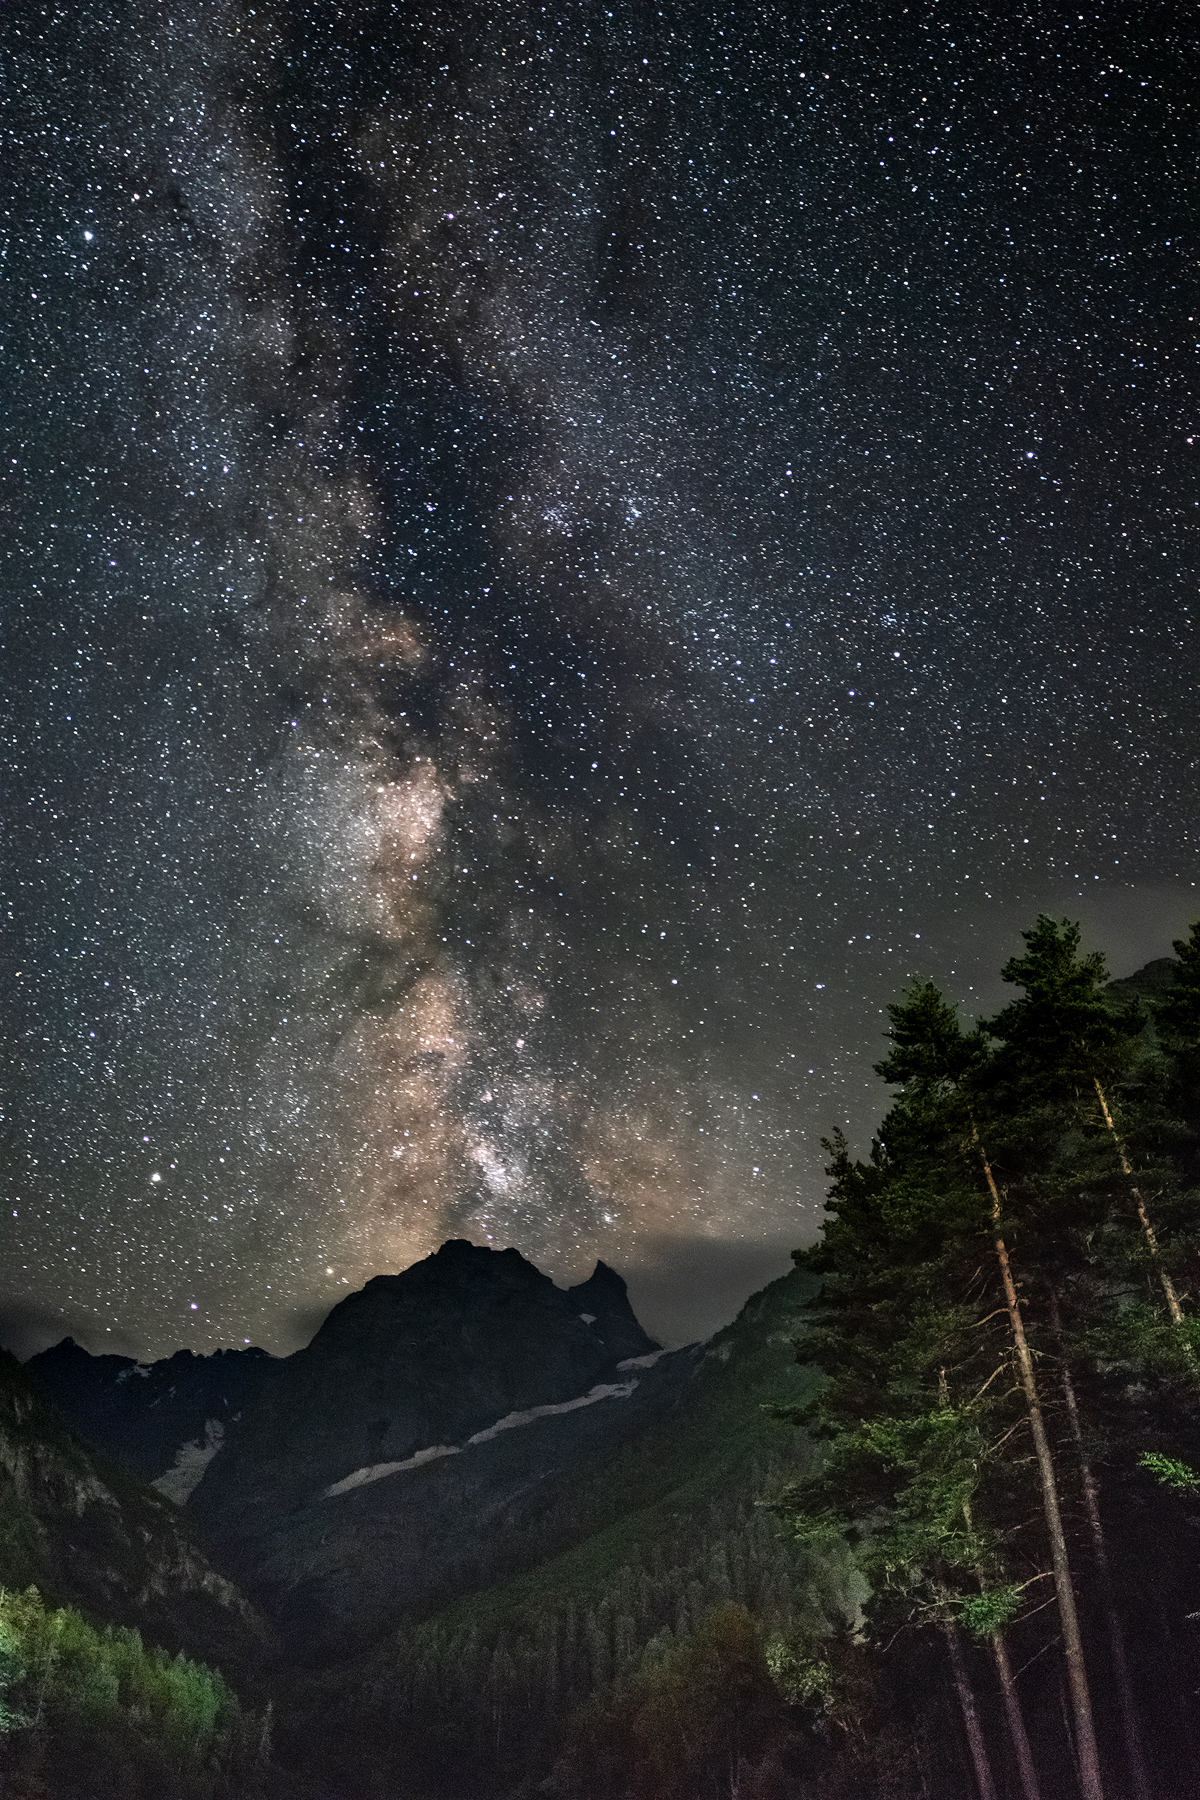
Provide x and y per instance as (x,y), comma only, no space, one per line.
(1063,1038)
(934,1059)
(1178,1007)
(1176,1012)
(1116,1637)
(904,1457)
(902,1238)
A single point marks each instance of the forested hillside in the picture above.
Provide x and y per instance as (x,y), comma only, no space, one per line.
(922,1523)
(488,1696)
(107,1606)
(93,1713)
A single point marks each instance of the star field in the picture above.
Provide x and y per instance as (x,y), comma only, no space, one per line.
(555,555)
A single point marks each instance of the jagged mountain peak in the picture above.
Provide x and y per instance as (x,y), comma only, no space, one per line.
(68,1353)
(143,1413)
(422,1362)
(600,1278)
(483,1290)
(457,1268)
(451,1343)
(605,1299)
(459,1259)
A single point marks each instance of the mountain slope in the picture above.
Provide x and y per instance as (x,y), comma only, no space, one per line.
(158,1419)
(88,1534)
(428,1357)
(475,1502)
(423,1438)
(663,1525)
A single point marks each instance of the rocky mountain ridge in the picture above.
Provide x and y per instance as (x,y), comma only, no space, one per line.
(89,1534)
(349,1483)
(458,1475)
(152,1417)
(450,1348)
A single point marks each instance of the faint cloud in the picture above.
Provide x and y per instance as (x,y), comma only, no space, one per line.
(684,1289)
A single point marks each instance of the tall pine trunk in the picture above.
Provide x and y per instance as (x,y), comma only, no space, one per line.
(1087,1755)
(1116,1638)
(1168,1286)
(966,1701)
(1016,1723)
(1030,1786)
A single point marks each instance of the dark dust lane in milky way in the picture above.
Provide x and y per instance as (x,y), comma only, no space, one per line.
(554,554)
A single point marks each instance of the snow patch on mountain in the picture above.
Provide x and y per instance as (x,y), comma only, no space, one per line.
(620,1390)
(191,1460)
(377,1471)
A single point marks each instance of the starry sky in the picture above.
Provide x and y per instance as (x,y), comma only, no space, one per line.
(554,555)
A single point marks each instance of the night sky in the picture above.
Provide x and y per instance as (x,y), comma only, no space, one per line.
(554,555)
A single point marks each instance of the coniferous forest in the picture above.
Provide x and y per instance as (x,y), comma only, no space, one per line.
(1012,1388)
(950,1549)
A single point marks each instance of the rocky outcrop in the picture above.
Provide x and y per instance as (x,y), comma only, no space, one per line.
(1148,982)
(602,1301)
(87,1533)
(147,1415)
(428,1357)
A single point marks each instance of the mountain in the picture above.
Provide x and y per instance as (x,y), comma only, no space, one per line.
(423,1359)
(442,1350)
(633,1538)
(292,1469)
(510,1547)
(447,1428)
(471,1479)
(164,1420)
(422,1434)
(1147,982)
(89,1534)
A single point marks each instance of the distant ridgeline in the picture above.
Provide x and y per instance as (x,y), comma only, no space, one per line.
(482,1539)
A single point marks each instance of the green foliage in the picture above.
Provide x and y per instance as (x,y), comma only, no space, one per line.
(824,1676)
(906,1459)
(805,1674)
(699,1712)
(986,1613)
(1178,1007)
(1062,1127)
(579,1633)
(1173,1474)
(495,1680)
(1140,1339)
(1064,1031)
(13,1667)
(929,1046)
(101,1705)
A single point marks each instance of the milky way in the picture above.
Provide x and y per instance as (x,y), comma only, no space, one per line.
(554,555)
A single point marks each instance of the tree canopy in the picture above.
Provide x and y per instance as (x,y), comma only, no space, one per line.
(1017,1243)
